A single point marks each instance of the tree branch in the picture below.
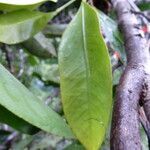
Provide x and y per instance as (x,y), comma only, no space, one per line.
(125,133)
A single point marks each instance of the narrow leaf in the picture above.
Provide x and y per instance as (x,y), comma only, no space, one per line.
(86,80)
(22,103)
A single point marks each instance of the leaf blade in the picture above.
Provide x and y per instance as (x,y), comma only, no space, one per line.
(18,100)
(83,70)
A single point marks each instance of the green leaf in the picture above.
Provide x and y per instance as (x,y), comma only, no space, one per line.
(22,103)
(40,46)
(112,34)
(11,5)
(144,6)
(86,80)
(20,25)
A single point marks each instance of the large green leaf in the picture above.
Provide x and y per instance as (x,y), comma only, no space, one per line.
(22,103)
(86,80)
(18,26)
(10,5)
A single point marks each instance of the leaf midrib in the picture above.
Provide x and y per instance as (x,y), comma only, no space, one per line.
(85,52)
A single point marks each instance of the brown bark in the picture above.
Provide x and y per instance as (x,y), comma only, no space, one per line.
(134,83)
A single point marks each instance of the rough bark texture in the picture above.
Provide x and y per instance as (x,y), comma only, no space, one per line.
(134,84)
